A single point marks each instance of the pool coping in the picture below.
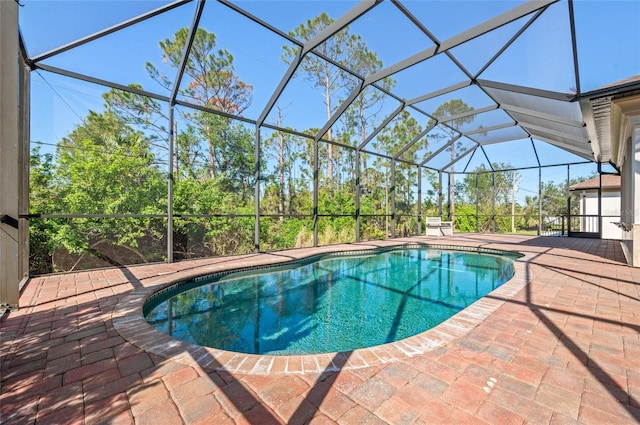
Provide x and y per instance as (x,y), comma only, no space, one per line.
(128,319)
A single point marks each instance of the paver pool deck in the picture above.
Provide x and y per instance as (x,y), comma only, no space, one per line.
(558,344)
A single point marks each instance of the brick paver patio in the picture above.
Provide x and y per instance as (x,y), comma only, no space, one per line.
(563,347)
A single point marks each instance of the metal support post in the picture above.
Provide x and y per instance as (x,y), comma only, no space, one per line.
(357,171)
(419,200)
(24,157)
(258,152)
(493,202)
(316,163)
(568,201)
(477,228)
(172,136)
(539,201)
(440,194)
(186,50)
(393,198)
(599,201)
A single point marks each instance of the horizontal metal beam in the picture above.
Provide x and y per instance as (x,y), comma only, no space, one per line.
(100,82)
(404,161)
(502,140)
(440,92)
(404,64)
(533,167)
(582,147)
(469,113)
(569,148)
(214,111)
(32,216)
(542,115)
(108,216)
(531,128)
(307,136)
(487,129)
(202,108)
(565,97)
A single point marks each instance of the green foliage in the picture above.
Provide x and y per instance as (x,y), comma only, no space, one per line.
(116,182)
(279,234)
(465,219)
(42,194)
(490,195)
(102,167)
(42,182)
(554,199)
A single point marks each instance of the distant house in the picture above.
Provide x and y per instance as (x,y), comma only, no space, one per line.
(587,193)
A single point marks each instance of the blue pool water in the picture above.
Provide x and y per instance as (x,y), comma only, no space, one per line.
(338,303)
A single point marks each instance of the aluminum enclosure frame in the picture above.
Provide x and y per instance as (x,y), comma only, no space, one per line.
(532,10)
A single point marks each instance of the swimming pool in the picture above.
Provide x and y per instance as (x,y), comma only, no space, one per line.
(328,303)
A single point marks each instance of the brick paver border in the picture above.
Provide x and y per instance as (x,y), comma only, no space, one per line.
(129,321)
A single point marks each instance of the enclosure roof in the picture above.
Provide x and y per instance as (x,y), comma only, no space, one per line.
(520,68)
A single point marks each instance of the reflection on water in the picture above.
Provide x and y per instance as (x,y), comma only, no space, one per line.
(335,304)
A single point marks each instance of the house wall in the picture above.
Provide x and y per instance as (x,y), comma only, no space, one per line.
(610,211)
(630,202)
(10,273)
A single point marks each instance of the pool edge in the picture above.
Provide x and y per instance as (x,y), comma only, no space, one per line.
(129,322)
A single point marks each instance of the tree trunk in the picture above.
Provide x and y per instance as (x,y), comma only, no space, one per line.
(327,95)
(291,194)
(363,137)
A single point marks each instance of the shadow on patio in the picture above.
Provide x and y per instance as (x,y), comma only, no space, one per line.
(565,348)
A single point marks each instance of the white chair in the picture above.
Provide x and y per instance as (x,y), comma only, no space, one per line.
(446,228)
(437,227)
(433,226)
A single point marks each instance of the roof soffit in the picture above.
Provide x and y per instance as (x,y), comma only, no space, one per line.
(624,120)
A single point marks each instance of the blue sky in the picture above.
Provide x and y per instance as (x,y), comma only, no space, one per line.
(540,58)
